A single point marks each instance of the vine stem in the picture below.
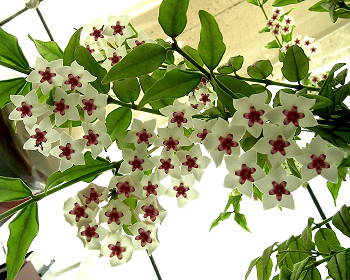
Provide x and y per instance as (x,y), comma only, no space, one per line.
(155,267)
(44,24)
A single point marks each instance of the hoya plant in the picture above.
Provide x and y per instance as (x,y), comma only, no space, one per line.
(203,110)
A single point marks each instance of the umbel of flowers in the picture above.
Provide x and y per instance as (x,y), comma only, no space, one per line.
(209,116)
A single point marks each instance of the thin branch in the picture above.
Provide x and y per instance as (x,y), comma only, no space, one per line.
(44,24)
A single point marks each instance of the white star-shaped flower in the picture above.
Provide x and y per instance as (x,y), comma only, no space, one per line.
(167,164)
(201,129)
(171,138)
(96,137)
(179,114)
(277,143)
(95,50)
(27,108)
(65,106)
(69,151)
(243,172)
(150,210)
(152,186)
(224,140)
(251,112)
(94,30)
(119,28)
(42,135)
(113,56)
(319,158)
(277,187)
(135,161)
(77,213)
(92,234)
(118,248)
(294,110)
(126,186)
(183,189)
(115,214)
(93,195)
(141,133)
(44,75)
(93,104)
(205,98)
(146,236)
(141,39)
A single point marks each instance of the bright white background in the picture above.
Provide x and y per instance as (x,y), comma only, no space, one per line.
(187,250)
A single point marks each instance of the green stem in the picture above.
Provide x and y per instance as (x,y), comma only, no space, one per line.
(317,204)
(297,251)
(133,106)
(44,24)
(13,16)
(155,267)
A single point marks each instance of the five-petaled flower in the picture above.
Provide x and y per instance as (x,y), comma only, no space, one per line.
(96,137)
(179,114)
(92,234)
(93,104)
(115,214)
(118,248)
(118,27)
(65,107)
(145,236)
(151,210)
(77,213)
(183,189)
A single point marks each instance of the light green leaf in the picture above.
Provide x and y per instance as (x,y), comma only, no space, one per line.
(118,121)
(337,267)
(140,61)
(23,230)
(175,84)
(335,187)
(13,189)
(251,266)
(193,53)
(327,241)
(260,69)
(306,236)
(265,258)
(263,274)
(295,64)
(48,50)
(10,87)
(298,269)
(74,42)
(321,101)
(236,62)
(242,221)
(318,7)
(341,220)
(211,46)
(238,87)
(280,3)
(222,216)
(127,90)
(172,16)
(272,45)
(254,2)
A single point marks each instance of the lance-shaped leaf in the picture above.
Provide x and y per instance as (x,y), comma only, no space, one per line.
(10,87)
(74,42)
(260,69)
(337,267)
(11,55)
(127,90)
(175,84)
(172,16)
(13,189)
(280,3)
(118,121)
(261,273)
(48,50)
(23,230)
(211,46)
(326,241)
(193,53)
(140,61)
(295,64)
(298,269)
(341,220)
(251,266)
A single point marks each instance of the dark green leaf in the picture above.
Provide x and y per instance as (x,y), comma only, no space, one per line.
(48,50)
(13,189)
(337,267)
(236,62)
(251,266)
(74,42)
(298,269)
(118,121)
(211,46)
(175,84)
(341,93)
(272,45)
(295,64)
(240,88)
(280,3)
(248,142)
(265,258)
(23,230)
(89,171)
(341,220)
(172,16)
(85,59)
(10,87)
(341,76)
(327,241)
(285,273)
(193,53)
(330,135)
(140,61)
(306,236)
(242,221)
(127,90)
(260,69)
(321,101)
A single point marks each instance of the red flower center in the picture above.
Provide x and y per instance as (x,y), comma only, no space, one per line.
(117,250)
(150,211)
(90,49)
(136,163)
(279,190)
(114,59)
(139,43)
(227,143)
(73,81)
(292,116)
(279,145)
(150,189)
(205,98)
(114,216)
(25,109)
(47,75)
(39,137)
(93,196)
(171,143)
(178,118)
(91,137)
(61,107)
(181,190)
(79,212)
(254,116)
(318,163)
(118,29)
(90,232)
(144,237)
(89,106)
(166,165)
(143,136)
(245,174)
(125,188)
(97,33)
(191,162)
(203,134)
(67,151)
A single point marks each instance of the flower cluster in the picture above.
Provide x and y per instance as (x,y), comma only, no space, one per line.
(280,22)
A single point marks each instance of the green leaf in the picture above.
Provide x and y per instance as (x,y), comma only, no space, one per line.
(248,143)
(222,216)
(211,46)
(295,64)
(118,121)
(318,7)
(140,61)
(74,42)
(193,53)
(272,45)
(240,88)
(23,230)
(13,189)
(261,273)
(285,273)
(265,258)
(11,55)
(280,3)
(10,87)
(327,241)
(306,236)
(264,30)
(341,76)
(254,2)
(335,187)
(89,171)
(85,59)
(172,16)
(298,269)
(251,266)
(235,201)
(260,69)
(175,84)
(48,50)
(337,267)
(127,90)
(236,62)
(321,101)
(242,221)
(224,99)
(341,220)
